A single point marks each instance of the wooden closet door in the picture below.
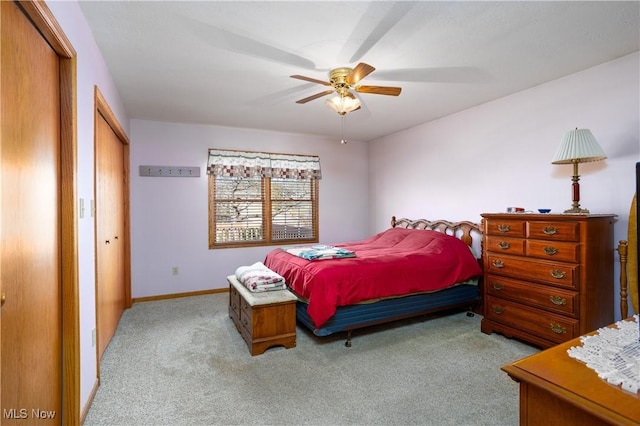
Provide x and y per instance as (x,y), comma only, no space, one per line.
(110,238)
(30,220)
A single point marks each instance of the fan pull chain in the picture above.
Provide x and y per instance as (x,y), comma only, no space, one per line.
(343,140)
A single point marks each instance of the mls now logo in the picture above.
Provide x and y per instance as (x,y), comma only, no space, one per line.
(23,413)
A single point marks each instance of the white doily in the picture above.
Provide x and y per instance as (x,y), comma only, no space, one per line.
(614,353)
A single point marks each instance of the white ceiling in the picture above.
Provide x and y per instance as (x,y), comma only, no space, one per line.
(228,62)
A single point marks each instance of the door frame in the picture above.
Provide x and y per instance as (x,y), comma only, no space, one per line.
(101,108)
(44,21)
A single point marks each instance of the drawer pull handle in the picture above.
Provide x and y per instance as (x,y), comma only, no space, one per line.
(498,310)
(497,286)
(558,329)
(504,245)
(557,300)
(550,250)
(498,263)
(558,274)
(550,230)
(245,322)
(504,228)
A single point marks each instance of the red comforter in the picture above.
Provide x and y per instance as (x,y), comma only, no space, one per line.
(394,262)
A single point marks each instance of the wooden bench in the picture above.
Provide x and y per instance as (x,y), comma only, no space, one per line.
(264,319)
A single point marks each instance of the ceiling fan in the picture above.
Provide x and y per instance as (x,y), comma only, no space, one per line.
(343,81)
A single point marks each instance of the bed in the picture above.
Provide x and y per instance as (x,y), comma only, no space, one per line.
(413,268)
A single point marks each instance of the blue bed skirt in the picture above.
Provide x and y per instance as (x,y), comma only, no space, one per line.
(365,314)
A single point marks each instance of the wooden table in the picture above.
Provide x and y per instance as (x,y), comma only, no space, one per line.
(558,390)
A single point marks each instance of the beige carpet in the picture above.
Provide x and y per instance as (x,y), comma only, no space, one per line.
(182,362)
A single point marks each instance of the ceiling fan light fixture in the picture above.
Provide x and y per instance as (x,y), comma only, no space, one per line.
(342,104)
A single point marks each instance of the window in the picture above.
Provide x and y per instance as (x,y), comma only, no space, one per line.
(262,198)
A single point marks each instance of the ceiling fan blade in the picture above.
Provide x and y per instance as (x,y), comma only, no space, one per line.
(359,72)
(379,90)
(316,96)
(312,80)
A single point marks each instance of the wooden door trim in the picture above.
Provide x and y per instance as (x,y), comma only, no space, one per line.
(44,21)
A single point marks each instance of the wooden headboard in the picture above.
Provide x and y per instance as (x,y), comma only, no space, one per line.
(463,230)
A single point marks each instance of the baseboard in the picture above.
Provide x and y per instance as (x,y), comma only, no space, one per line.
(176,295)
(92,395)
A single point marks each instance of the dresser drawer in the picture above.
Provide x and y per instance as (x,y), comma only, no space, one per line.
(546,325)
(536,295)
(505,245)
(554,231)
(555,273)
(505,227)
(553,250)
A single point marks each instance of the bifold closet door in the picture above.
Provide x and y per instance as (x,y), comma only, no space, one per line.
(110,238)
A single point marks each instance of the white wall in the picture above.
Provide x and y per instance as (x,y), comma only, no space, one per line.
(169,216)
(91,71)
(499,154)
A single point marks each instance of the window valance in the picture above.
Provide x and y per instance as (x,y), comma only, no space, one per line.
(263,164)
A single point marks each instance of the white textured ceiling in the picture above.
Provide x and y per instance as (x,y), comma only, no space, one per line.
(228,62)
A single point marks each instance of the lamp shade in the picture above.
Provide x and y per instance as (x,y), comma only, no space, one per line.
(578,146)
(342,104)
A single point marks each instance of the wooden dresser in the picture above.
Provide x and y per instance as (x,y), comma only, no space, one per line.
(556,389)
(548,278)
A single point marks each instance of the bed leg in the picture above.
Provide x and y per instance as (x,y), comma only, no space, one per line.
(470,312)
(348,342)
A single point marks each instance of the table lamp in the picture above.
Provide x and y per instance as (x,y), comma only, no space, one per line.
(578,146)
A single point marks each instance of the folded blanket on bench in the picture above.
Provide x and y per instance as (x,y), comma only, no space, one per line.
(258,277)
(320,252)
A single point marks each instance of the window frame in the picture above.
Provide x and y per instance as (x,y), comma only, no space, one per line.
(266,218)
